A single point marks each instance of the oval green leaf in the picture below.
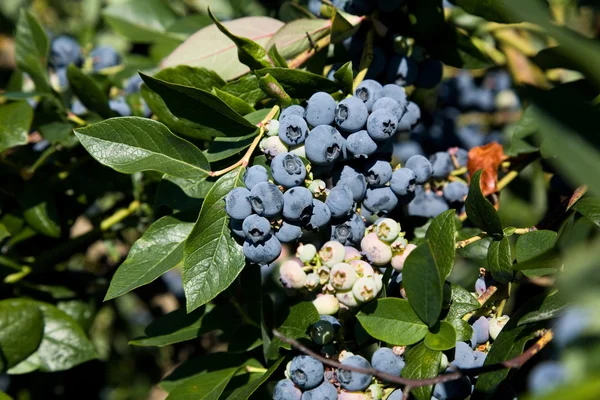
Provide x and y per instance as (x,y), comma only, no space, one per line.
(479,210)
(500,260)
(15,120)
(21,328)
(441,337)
(421,363)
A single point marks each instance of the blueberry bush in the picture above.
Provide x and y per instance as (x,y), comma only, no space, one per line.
(345,199)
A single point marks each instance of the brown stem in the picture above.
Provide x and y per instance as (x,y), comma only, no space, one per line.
(557,214)
(307,54)
(485,296)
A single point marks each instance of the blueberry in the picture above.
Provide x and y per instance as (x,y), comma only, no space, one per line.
(479,359)
(326,304)
(353,180)
(342,276)
(496,325)
(133,84)
(266,200)
(292,130)
(104,57)
(254,175)
(387,103)
(351,114)
(411,117)
(387,230)
(462,156)
(402,70)
(286,390)
(78,108)
(546,376)
(458,389)
(306,372)
(120,106)
(427,205)
(288,170)
(332,320)
(236,227)
(463,356)
(382,124)
(480,285)
(378,173)
(322,332)
(325,391)
(237,204)
(256,228)
(441,165)
(292,110)
(455,192)
(380,200)
(403,182)
(320,216)
(355,7)
(421,167)
(360,144)
(369,91)
(354,381)
(291,275)
(340,201)
(349,231)
(396,395)
(297,204)
(481,329)
(320,109)
(377,252)
(272,146)
(288,232)
(262,252)
(332,253)
(397,93)
(430,74)
(324,145)
(385,360)
(571,325)
(64,50)
(63,80)
(377,64)
(314,6)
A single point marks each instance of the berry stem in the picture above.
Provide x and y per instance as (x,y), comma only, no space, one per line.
(301,58)
(74,118)
(120,215)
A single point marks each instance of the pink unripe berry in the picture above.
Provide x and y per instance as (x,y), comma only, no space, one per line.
(332,253)
(347,298)
(342,276)
(378,253)
(362,268)
(312,281)
(352,396)
(291,275)
(351,254)
(398,260)
(326,304)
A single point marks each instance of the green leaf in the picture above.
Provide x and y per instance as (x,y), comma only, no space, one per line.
(134,144)
(509,344)
(210,48)
(392,321)
(421,363)
(207,386)
(441,234)
(21,327)
(300,317)
(343,26)
(82,311)
(57,132)
(88,92)
(158,250)
(236,104)
(4,396)
(524,129)
(181,194)
(495,10)
(588,389)
(211,114)
(142,21)
(462,303)
(246,88)
(541,308)
(500,260)
(455,48)
(537,249)
(479,210)
(298,83)
(15,121)
(31,50)
(40,211)
(441,337)
(197,77)
(212,258)
(292,38)
(278,60)
(222,149)
(464,331)
(345,77)
(422,283)
(273,89)
(588,207)
(244,392)
(249,52)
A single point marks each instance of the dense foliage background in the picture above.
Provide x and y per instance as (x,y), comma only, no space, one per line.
(76,197)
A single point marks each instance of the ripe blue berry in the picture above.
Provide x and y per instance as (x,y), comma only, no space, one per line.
(292,110)
(406,149)
(480,285)
(479,359)
(421,167)
(382,124)
(324,145)
(369,91)
(378,173)
(360,144)
(286,390)
(255,174)
(306,372)
(430,74)
(349,231)
(120,106)
(262,252)
(387,103)
(292,130)
(397,93)
(236,227)
(320,216)
(322,332)
(104,57)
(380,200)
(332,320)
(325,391)
(572,324)
(385,360)
(340,201)
(237,204)
(256,228)
(133,84)
(397,395)
(354,381)
(463,356)
(441,165)
(427,205)
(453,390)
(266,200)
(64,50)
(455,192)
(411,117)
(462,156)
(353,180)
(288,232)
(546,376)
(351,114)
(297,204)
(402,70)
(403,182)
(481,329)
(288,170)
(320,109)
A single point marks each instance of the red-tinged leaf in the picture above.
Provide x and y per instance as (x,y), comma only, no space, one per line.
(487,157)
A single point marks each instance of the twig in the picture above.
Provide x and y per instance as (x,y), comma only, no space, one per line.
(119,215)
(413,383)
(485,296)
(466,242)
(29,172)
(556,214)
(307,54)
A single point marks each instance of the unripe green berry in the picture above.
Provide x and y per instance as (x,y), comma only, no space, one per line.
(387,230)
(332,253)
(443,363)
(322,332)
(317,187)
(374,392)
(323,273)
(291,275)
(306,253)
(365,289)
(272,146)
(326,304)
(496,325)
(342,276)
(272,128)
(378,253)
(312,281)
